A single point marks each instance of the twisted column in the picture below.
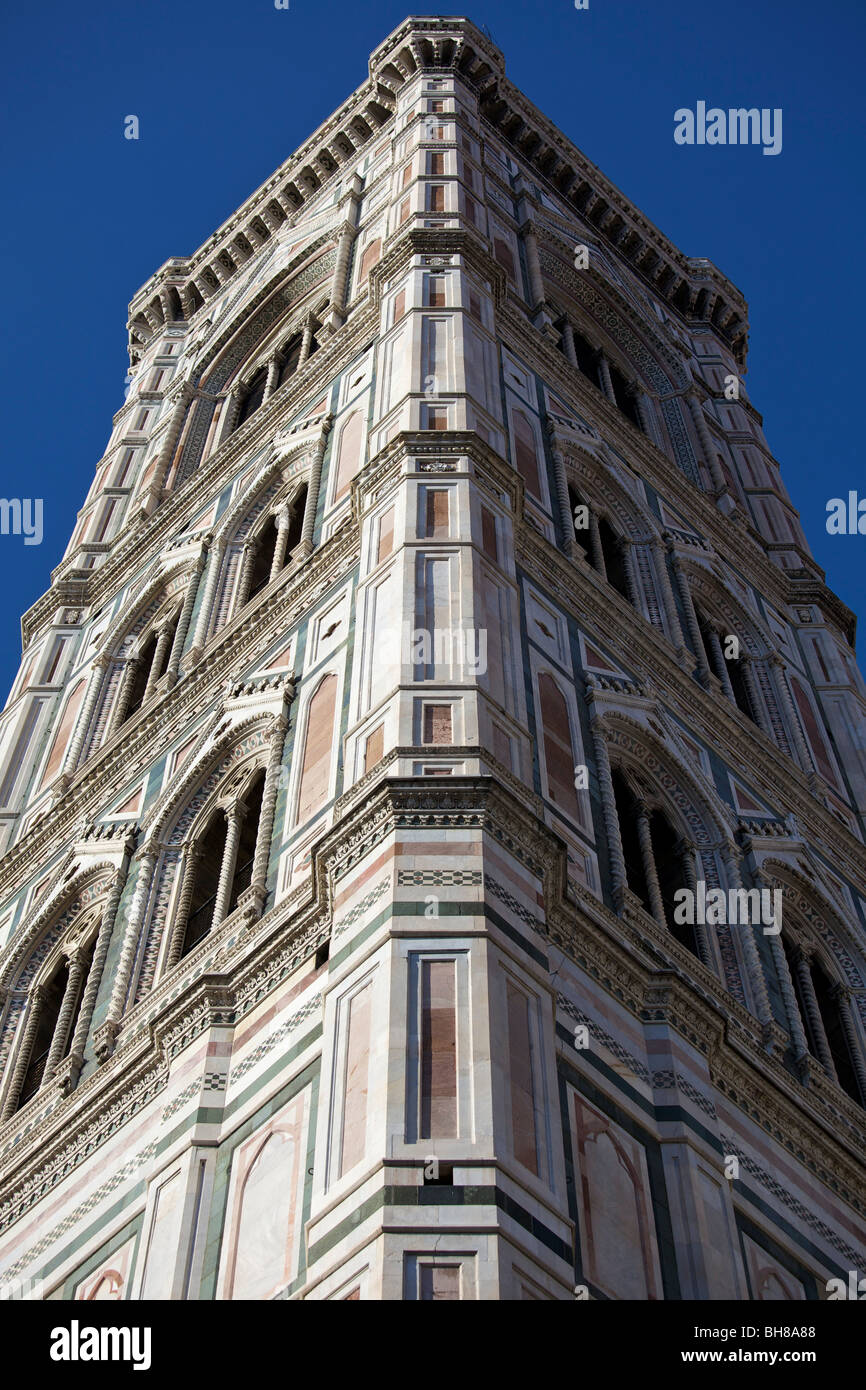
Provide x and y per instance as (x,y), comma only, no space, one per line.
(305,546)
(214,570)
(649,863)
(564,500)
(789,995)
(234,821)
(166,453)
(188,869)
(185,618)
(790,717)
(245,579)
(754,695)
(94,976)
(35,1002)
(306,341)
(699,419)
(269,806)
(124,694)
(64,1018)
(279,560)
(604,377)
(631,580)
(721,664)
(842,998)
(85,717)
(568,343)
(802,967)
(148,859)
(688,851)
(163,645)
(596,553)
(273,376)
(692,625)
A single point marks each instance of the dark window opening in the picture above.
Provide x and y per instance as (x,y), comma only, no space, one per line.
(836,1037)
(740,688)
(614,560)
(49,1010)
(142,672)
(263,559)
(291,356)
(255,394)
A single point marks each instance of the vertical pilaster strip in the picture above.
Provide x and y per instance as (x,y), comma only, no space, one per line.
(789,714)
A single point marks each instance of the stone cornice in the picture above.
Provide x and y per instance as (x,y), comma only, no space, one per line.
(242,965)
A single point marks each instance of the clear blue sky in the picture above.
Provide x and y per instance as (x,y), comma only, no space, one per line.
(226,91)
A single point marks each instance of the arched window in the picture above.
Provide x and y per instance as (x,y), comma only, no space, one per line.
(605,550)
(273,546)
(729,669)
(218,867)
(654,858)
(147,668)
(825,1019)
(50,1022)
